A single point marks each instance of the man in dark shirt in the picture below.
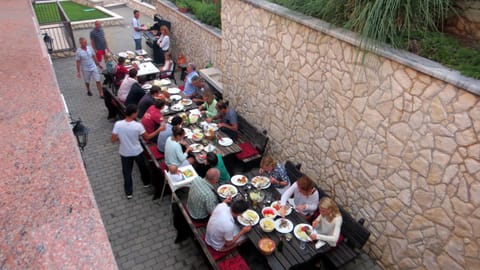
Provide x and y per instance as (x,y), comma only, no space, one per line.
(136,92)
(148,100)
(98,41)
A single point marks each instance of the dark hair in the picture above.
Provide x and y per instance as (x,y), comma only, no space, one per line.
(192,65)
(132,73)
(159,103)
(195,78)
(178,131)
(142,79)
(222,104)
(212,159)
(135,11)
(176,120)
(305,183)
(155,89)
(121,60)
(239,206)
(130,110)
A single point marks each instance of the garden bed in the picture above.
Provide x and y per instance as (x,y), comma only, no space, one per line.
(48,12)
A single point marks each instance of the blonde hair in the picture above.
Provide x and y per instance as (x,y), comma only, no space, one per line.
(164,27)
(329,204)
(267,161)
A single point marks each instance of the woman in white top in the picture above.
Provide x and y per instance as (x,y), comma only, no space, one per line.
(164,39)
(327,225)
(305,196)
(167,67)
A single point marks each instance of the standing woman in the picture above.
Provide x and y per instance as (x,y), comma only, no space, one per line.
(163,42)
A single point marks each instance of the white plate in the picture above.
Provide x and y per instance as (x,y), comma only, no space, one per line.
(276,204)
(213,126)
(147,59)
(188,132)
(302,236)
(165,82)
(122,54)
(147,86)
(130,52)
(286,225)
(236,180)
(225,141)
(173,91)
(261,182)
(210,148)
(165,110)
(196,147)
(227,190)
(175,97)
(186,102)
(177,107)
(248,217)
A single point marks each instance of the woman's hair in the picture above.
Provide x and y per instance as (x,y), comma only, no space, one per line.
(164,27)
(329,204)
(267,161)
(178,131)
(222,104)
(305,183)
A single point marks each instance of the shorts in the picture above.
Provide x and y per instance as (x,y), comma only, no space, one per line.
(99,54)
(88,75)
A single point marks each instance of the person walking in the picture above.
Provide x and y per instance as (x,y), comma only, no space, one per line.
(88,64)
(137,30)
(127,131)
(98,41)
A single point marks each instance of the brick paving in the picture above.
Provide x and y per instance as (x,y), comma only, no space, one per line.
(140,230)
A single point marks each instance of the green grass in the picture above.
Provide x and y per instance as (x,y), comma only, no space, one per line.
(48,13)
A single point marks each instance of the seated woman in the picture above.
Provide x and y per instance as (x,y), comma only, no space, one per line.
(228,119)
(167,68)
(276,172)
(209,107)
(173,150)
(305,197)
(327,225)
(216,161)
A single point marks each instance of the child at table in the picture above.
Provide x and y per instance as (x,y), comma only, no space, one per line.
(327,225)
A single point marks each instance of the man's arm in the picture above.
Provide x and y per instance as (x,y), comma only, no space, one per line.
(94,57)
(114,138)
(233,242)
(78,69)
(233,127)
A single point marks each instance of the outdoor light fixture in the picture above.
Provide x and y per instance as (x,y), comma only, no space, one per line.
(81,133)
(48,42)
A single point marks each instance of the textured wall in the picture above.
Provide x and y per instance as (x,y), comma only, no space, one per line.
(198,42)
(395,146)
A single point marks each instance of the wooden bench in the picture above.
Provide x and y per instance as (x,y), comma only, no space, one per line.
(354,233)
(154,162)
(248,134)
(114,106)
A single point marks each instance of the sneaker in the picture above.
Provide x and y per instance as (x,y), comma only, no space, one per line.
(89,93)
(129,197)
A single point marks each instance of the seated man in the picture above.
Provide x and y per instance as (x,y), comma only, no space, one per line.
(228,119)
(202,198)
(174,155)
(148,100)
(188,88)
(153,118)
(136,92)
(163,136)
(126,85)
(222,232)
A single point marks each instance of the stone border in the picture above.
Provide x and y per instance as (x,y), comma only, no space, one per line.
(411,60)
(114,20)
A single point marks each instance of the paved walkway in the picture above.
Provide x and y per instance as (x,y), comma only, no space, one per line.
(139,230)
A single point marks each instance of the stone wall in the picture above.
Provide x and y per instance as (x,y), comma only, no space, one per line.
(467,24)
(393,145)
(200,43)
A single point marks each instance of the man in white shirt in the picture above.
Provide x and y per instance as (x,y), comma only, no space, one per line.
(222,232)
(88,64)
(126,85)
(137,30)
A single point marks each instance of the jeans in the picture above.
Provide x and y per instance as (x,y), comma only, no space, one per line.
(138,44)
(127,167)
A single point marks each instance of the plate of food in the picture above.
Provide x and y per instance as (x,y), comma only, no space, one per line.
(225,141)
(146,86)
(277,206)
(173,91)
(213,126)
(123,54)
(239,180)
(197,136)
(283,225)
(193,118)
(302,231)
(248,217)
(186,102)
(177,107)
(187,173)
(261,182)
(269,212)
(165,82)
(175,97)
(227,190)
(267,224)
(196,147)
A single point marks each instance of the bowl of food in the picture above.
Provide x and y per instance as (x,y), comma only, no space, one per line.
(267,224)
(193,118)
(269,212)
(197,136)
(266,246)
(256,195)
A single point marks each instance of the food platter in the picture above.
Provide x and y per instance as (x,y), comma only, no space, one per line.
(277,206)
(261,182)
(177,107)
(225,141)
(186,102)
(300,232)
(173,91)
(227,190)
(239,180)
(175,97)
(196,147)
(248,217)
(165,82)
(283,225)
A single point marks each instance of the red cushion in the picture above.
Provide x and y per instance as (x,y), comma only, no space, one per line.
(234,263)
(217,255)
(196,223)
(157,154)
(163,166)
(247,151)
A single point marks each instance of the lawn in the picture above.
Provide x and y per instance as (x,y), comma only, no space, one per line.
(48,12)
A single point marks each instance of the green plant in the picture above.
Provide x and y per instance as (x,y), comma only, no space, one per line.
(205,12)
(181,4)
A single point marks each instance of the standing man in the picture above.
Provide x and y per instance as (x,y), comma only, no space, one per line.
(89,65)
(137,30)
(98,41)
(127,131)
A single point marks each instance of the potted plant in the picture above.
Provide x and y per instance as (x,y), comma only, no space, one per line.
(182,6)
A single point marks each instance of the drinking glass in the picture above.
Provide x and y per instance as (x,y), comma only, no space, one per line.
(302,245)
